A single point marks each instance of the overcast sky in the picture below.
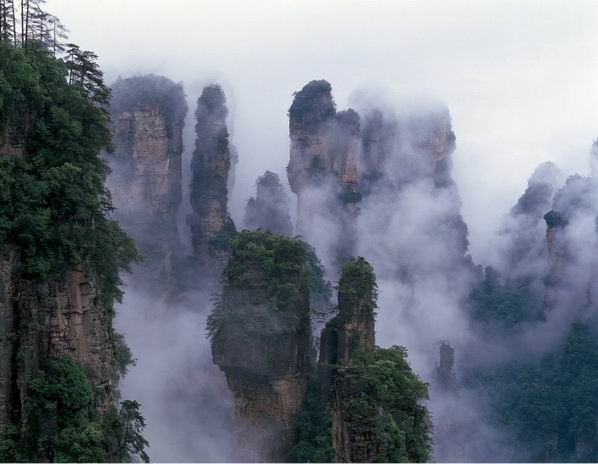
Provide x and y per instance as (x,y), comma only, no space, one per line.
(519,77)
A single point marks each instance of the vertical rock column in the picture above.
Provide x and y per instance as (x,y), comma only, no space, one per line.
(212,228)
(350,331)
(148,114)
(261,338)
(269,209)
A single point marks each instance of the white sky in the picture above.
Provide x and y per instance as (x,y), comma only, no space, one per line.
(519,77)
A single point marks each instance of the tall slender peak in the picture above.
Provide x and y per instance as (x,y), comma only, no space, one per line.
(269,209)
(148,114)
(353,328)
(445,374)
(212,228)
(310,116)
(349,377)
(541,187)
(261,338)
(323,168)
(379,136)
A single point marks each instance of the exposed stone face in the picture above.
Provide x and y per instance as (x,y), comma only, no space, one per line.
(323,168)
(263,349)
(57,318)
(337,160)
(148,114)
(269,209)
(8,324)
(524,228)
(211,225)
(351,330)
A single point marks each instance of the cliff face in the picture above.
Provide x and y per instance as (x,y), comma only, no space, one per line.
(49,320)
(323,168)
(148,114)
(350,331)
(353,328)
(376,412)
(212,229)
(341,163)
(261,338)
(269,209)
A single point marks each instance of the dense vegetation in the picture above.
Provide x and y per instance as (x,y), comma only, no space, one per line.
(501,307)
(549,405)
(54,213)
(358,286)
(53,204)
(64,424)
(384,405)
(313,104)
(313,427)
(272,265)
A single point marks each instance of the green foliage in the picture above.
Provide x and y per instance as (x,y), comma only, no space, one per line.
(125,439)
(64,425)
(320,289)
(225,238)
(313,104)
(270,262)
(358,282)
(550,405)
(385,405)
(313,428)
(53,203)
(123,356)
(498,306)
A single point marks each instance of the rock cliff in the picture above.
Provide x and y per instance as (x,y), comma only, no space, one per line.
(341,163)
(148,114)
(269,209)
(49,320)
(212,228)
(356,378)
(261,339)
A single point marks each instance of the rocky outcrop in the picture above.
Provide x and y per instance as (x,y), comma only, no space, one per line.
(269,209)
(323,168)
(522,241)
(261,339)
(57,318)
(212,228)
(148,114)
(339,159)
(353,328)
(445,375)
(350,331)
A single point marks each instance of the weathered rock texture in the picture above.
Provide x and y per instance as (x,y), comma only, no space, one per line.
(339,159)
(269,209)
(261,339)
(323,167)
(56,318)
(211,225)
(148,114)
(351,330)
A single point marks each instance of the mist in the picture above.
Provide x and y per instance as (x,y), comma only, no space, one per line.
(518,79)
